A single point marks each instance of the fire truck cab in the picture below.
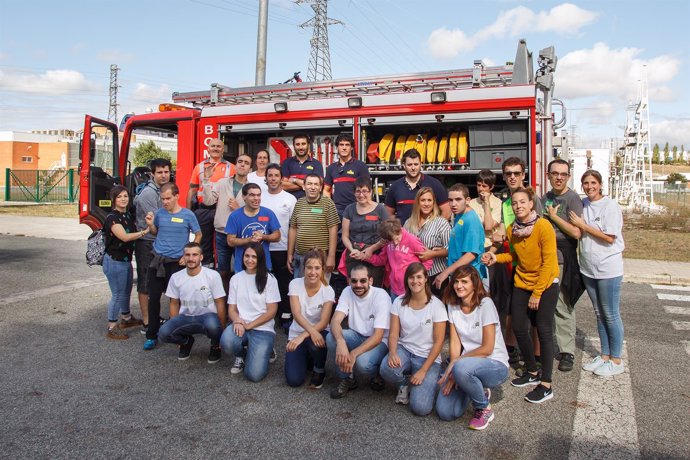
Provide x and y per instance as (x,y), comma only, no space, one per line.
(461,121)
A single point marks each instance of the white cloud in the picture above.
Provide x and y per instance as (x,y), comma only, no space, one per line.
(114,56)
(149,94)
(613,73)
(444,43)
(675,132)
(565,19)
(51,82)
(488,62)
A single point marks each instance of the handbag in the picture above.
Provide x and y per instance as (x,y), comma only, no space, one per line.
(95,248)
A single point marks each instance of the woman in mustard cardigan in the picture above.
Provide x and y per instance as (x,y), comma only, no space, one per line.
(535,292)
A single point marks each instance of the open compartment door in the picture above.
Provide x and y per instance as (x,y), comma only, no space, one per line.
(99,170)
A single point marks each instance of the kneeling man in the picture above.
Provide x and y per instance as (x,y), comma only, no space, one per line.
(359,349)
(197,306)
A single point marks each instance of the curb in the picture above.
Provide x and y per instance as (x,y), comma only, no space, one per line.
(657,279)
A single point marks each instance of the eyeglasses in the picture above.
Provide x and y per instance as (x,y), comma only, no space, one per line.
(358,281)
(556,175)
(513,173)
(362,192)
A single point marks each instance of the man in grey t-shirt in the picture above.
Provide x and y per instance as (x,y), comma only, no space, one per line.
(148,200)
(557,204)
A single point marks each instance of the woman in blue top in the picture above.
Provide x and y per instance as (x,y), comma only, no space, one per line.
(120,233)
(601,265)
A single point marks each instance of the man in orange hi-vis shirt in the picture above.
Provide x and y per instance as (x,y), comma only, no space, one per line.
(215,168)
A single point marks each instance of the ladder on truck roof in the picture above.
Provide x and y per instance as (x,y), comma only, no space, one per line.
(519,73)
(478,76)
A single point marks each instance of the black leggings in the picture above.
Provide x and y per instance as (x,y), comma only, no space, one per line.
(542,318)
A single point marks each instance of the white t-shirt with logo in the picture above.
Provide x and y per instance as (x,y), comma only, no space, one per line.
(598,259)
(364,314)
(417,326)
(311,307)
(282,204)
(470,328)
(197,293)
(250,304)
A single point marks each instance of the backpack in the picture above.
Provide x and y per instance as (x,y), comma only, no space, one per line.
(95,248)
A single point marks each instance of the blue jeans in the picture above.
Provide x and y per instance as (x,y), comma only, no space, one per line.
(296,362)
(120,277)
(259,345)
(367,364)
(471,376)
(179,328)
(422,396)
(223,253)
(606,298)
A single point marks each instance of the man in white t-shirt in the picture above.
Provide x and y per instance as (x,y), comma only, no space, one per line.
(282,204)
(197,306)
(360,348)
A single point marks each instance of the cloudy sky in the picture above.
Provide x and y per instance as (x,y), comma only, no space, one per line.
(55,56)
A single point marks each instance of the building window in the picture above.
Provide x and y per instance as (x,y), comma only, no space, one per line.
(27,159)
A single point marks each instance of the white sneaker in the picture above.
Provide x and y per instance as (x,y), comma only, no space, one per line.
(593,364)
(403,396)
(238,366)
(609,368)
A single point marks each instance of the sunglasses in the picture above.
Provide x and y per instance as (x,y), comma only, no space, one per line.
(358,281)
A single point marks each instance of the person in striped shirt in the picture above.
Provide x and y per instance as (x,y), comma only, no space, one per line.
(313,224)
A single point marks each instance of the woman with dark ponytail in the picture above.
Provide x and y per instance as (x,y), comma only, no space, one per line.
(253,298)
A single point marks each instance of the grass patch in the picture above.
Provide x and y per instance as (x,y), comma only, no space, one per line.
(42,210)
(650,244)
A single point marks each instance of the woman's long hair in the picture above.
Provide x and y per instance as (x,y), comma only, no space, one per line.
(466,271)
(413,269)
(412,223)
(261,269)
(316,254)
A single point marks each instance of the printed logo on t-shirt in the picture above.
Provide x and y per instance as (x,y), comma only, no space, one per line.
(371,218)
(310,167)
(177,220)
(460,222)
(475,325)
(317,211)
(203,288)
(319,306)
(371,317)
(263,219)
(597,219)
(427,322)
(349,171)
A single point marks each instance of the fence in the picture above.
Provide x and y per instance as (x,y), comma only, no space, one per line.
(40,186)
(674,198)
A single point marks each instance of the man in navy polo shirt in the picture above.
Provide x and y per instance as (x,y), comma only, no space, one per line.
(296,168)
(341,175)
(402,192)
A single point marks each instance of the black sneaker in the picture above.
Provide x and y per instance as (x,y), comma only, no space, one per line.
(377,383)
(343,387)
(526,379)
(316,381)
(185,349)
(566,362)
(214,354)
(539,394)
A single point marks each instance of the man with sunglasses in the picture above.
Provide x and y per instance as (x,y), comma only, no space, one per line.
(558,202)
(360,348)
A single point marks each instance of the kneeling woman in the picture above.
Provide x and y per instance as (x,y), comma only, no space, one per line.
(253,298)
(478,356)
(417,330)
(311,302)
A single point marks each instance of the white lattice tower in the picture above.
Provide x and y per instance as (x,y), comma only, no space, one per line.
(320,58)
(634,187)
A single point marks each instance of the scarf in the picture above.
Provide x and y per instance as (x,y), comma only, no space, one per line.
(524,229)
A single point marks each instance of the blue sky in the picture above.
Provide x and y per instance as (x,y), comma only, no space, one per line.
(55,56)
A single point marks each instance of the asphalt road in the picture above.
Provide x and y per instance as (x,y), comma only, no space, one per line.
(66,391)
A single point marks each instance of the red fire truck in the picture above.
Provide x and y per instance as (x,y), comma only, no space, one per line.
(461,121)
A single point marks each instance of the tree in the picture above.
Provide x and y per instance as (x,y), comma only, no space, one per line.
(147,151)
(683,154)
(675,154)
(667,158)
(674,177)
(655,154)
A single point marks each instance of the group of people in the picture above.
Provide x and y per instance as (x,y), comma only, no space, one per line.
(311,249)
